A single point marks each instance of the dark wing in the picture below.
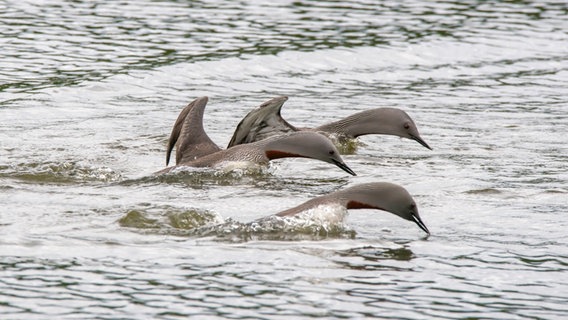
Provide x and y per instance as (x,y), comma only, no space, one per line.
(188,135)
(262,122)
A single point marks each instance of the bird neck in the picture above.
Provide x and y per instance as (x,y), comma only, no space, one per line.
(361,123)
(282,147)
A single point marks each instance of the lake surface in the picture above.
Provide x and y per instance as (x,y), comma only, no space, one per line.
(89,91)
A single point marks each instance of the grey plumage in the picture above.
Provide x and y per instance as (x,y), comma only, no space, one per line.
(261,123)
(195,149)
(379,195)
(188,135)
(266,120)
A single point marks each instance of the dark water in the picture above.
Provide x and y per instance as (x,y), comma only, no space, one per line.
(89,92)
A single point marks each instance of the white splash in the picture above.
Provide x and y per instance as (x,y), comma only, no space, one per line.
(227,166)
(325,214)
(323,220)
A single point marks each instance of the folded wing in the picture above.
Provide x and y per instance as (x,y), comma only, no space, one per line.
(188,135)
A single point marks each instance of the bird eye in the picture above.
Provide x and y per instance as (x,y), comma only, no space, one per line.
(331,152)
(406,125)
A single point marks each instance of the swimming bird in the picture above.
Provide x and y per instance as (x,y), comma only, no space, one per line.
(194,148)
(378,195)
(266,120)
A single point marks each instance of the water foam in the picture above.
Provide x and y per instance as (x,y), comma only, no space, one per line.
(64,172)
(321,222)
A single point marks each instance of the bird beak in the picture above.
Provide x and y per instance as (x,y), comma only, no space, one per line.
(419,140)
(419,222)
(344,167)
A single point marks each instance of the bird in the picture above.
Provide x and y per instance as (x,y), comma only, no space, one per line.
(194,148)
(383,196)
(266,120)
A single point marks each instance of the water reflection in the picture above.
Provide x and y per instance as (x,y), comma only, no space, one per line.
(65,43)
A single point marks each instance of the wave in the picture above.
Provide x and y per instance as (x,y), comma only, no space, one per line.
(319,223)
(59,173)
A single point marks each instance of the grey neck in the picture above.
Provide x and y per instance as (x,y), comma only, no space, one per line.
(361,123)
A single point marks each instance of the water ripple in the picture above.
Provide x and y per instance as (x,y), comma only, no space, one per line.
(89,91)
(59,173)
(66,43)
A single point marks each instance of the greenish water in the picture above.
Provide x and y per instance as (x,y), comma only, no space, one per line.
(89,92)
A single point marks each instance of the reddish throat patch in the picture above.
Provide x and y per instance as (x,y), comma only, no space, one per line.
(359,205)
(275,154)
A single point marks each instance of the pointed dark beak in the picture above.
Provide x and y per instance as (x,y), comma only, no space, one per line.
(344,167)
(419,140)
(419,222)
